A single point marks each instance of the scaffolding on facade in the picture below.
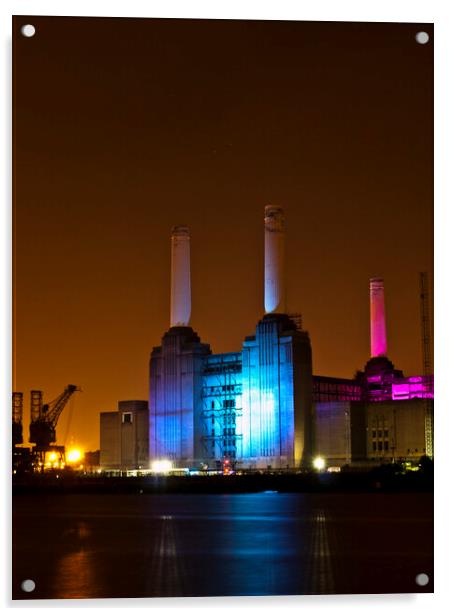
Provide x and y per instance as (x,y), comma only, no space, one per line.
(221,403)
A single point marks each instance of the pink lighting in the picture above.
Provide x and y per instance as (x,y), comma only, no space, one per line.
(378,346)
(412,387)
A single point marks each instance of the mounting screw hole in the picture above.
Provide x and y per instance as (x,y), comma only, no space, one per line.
(28,30)
(422,38)
(28,585)
(422,579)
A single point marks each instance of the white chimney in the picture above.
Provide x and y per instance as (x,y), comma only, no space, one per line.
(274,298)
(180,277)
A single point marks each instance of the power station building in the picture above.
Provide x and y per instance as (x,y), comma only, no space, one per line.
(253,406)
(261,407)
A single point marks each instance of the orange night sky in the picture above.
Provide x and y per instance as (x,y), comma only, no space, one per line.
(126,127)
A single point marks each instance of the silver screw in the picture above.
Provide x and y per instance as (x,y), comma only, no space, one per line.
(422,38)
(28,585)
(422,579)
(28,30)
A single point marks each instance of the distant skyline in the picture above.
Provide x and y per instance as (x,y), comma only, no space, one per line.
(153,123)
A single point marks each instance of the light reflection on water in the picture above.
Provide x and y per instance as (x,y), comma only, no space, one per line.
(75,570)
(249,544)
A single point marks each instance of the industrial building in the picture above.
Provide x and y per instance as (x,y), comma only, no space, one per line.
(124,436)
(253,406)
(261,407)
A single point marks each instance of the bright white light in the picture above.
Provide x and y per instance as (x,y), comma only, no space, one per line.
(161,466)
(319,463)
(74,455)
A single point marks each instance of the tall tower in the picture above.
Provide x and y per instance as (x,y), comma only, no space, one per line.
(175,375)
(180,277)
(274,299)
(276,371)
(378,343)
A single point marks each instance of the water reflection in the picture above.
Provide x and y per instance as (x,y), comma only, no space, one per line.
(258,548)
(244,544)
(75,571)
(319,578)
(167,571)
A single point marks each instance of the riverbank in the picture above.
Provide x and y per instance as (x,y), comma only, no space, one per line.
(384,478)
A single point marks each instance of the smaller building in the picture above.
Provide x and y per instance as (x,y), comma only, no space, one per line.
(397,430)
(124,436)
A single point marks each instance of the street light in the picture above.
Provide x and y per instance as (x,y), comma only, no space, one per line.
(319,463)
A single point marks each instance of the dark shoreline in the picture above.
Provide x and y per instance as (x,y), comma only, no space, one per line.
(376,480)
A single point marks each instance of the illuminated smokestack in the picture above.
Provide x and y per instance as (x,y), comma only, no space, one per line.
(180,277)
(274,297)
(378,346)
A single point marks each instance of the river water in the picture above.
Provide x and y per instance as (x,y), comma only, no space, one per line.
(146,545)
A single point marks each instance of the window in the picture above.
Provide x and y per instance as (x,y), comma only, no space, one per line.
(374,446)
(127,418)
(386,445)
(380,446)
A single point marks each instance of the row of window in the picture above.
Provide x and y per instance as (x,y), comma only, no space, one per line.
(229,431)
(380,446)
(229,442)
(380,433)
(209,391)
(227,404)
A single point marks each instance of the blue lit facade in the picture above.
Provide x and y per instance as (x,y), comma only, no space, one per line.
(175,403)
(253,407)
(262,408)
(277,394)
(221,434)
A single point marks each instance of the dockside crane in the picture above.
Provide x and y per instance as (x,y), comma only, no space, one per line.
(44,419)
(21,460)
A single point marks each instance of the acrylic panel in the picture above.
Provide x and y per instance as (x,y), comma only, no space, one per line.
(223,273)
